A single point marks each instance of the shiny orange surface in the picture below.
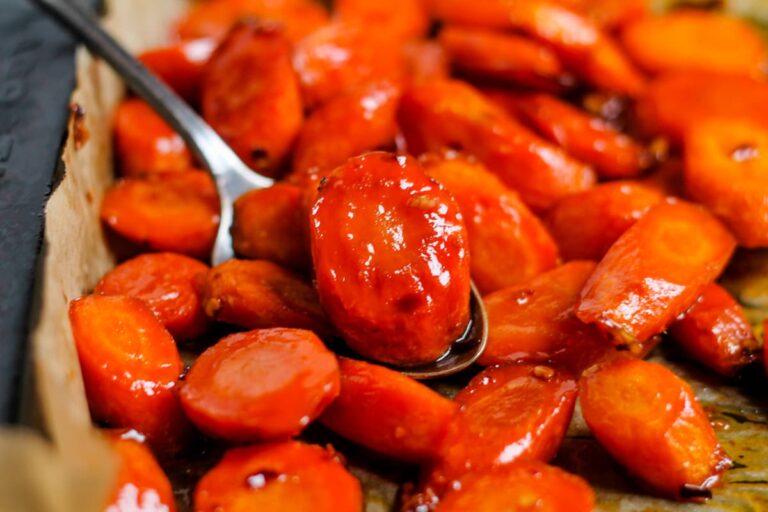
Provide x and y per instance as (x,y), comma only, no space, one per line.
(181,65)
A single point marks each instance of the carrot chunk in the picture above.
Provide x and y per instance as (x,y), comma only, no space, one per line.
(402,19)
(520,488)
(391,259)
(676,101)
(277,477)
(263,384)
(361,120)
(145,144)
(715,332)
(173,212)
(130,367)
(649,420)
(722,43)
(425,60)
(273,224)
(250,96)
(655,271)
(609,13)
(590,139)
(388,412)
(448,114)
(165,282)
(181,65)
(507,414)
(585,225)
(257,294)
(535,322)
(508,58)
(507,243)
(726,169)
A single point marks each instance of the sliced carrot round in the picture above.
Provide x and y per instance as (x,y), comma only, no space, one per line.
(262,384)
(278,477)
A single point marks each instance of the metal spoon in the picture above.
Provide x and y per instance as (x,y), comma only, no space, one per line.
(233,178)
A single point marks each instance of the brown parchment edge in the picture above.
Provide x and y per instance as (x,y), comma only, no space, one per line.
(58,462)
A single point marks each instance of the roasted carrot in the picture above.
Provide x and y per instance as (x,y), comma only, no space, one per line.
(504,57)
(507,243)
(520,488)
(262,384)
(273,224)
(586,224)
(257,294)
(170,212)
(141,483)
(145,144)
(667,178)
(715,332)
(165,282)
(425,60)
(181,65)
(649,420)
(391,259)
(676,101)
(507,414)
(351,123)
(277,477)
(130,367)
(723,43)
(401,19)
(448,114)
(655,271)
(726,169)
(250,95)
(388,412)
(609,13)
(344,56)
(590,139)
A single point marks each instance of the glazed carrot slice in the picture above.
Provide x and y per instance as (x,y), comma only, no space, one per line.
(262,384)
(256,294)
(723,43)
(609,13)
(181,65)
(250,95)
(715,332)
(145,144)
(520,488)
(425,60)
(586,224)
(674,102)
(141,483)
(507,414)
(402,19)
(535,322)
(273,224)
(503,57)
(449,114)
(165,282)
(507,243)
(350,124)
(277,477)
(655,271)
(171,212)
(344,56)
(649,420)
(214,19)
(391,259)
(388,412)
(130,367)
(590,139)
(726,169)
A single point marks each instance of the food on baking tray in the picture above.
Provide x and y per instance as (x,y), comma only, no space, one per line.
(591,166)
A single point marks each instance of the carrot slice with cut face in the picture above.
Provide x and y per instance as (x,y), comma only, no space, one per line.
(263,384)
(181,65)
(277,477)
(165,282)
(655,271)
(507,243)
(649,420)
(388,412)
(130,367)
(726,169)
(145,144)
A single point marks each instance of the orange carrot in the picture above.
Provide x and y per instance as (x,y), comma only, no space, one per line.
(425,60)
(181,65)
(401,19)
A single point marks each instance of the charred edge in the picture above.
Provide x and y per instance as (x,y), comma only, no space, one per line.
(695,491)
